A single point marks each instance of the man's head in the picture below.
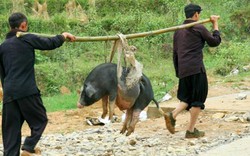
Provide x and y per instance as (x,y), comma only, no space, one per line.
(191,9)
(18,21)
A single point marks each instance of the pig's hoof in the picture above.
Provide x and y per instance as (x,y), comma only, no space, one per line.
(123,131)
(128,133)
(112,120)
(130,130)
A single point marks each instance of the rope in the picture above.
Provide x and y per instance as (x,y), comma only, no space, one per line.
(135,68)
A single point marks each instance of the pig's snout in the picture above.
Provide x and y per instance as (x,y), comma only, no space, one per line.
(79,105)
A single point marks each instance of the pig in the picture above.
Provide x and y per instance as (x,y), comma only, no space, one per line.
(102,83)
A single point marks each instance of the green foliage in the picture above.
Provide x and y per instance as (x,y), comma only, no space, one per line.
(241,19)
(233,55)
(48,78)
(69,65)
(4,27)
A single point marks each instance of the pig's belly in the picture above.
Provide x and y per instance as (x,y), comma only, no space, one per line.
(122,103)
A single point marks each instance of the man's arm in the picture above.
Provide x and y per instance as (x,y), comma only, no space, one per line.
(214,19)
(213,39)
(44,43)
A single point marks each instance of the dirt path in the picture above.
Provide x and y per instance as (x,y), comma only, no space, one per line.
(71,120)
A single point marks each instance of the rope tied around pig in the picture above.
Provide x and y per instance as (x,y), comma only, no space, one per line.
(135,72)
(135,67)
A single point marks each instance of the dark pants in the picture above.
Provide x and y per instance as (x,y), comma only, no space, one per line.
(29,109)
(193,90)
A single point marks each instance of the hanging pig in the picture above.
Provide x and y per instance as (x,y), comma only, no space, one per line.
(101,83)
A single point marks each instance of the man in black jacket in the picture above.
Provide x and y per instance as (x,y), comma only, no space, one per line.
(190,69)
(21,99)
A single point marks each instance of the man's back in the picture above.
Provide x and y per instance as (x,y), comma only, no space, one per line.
(188,45)
(17,59)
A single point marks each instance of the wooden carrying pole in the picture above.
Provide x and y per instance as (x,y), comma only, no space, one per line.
(128,36)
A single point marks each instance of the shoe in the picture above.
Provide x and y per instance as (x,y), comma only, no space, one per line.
(27,153)
(170,122)
(195,134)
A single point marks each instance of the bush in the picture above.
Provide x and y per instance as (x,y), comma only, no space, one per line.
(240,19)
(235,55)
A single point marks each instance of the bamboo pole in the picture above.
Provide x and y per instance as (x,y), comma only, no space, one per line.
(128,36)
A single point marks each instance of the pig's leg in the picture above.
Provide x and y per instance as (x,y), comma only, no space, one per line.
(111,110)
(127,120)
(134,119)
(112,101)
(104,106)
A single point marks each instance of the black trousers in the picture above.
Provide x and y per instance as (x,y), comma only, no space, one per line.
(29,109)
(193,90)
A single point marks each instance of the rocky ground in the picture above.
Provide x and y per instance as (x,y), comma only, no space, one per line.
(150,138)
(68,134)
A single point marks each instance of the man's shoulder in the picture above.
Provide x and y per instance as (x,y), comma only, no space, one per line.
(28,37)
(200,27)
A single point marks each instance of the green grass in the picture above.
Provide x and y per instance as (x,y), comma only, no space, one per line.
(60,102)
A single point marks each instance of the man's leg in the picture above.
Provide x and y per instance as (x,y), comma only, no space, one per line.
(180,107)
(170,118)
(35,114)
(192,132)
(194,113)
(199,95)
(12,121)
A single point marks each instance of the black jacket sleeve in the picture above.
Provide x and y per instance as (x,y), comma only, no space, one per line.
(44,43)
(213,39)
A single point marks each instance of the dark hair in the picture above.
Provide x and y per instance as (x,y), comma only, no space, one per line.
(16,19)
(191,9)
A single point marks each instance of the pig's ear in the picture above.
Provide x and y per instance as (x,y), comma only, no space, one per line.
(90,90)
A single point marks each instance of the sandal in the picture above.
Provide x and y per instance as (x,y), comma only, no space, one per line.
(170,122)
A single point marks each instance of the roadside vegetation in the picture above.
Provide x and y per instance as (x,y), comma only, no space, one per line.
(69,65)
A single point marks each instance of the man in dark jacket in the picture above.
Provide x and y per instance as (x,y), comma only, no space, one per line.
(190,69)
(21,100)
